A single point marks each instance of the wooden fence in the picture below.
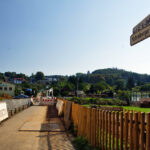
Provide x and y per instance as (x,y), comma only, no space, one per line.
(109,130)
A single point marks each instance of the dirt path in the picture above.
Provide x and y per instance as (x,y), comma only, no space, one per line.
(13,139)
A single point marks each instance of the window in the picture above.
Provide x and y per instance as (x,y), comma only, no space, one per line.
(5,88)
(1,88)
(10,89)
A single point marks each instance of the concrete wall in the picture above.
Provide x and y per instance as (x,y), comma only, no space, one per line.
(16,105)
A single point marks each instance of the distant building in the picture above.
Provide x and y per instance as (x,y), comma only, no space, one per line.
(72,94)
(18,80)
(7,88)
(50,78)
(80,93)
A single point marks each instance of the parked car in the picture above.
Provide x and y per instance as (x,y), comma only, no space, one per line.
(21,96)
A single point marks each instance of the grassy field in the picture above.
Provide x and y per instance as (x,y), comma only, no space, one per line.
(146,110)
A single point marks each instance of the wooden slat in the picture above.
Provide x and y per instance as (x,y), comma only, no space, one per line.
(106,128)
(142,120)
(136,140)
(100,129)
(113,131)
(89,124)
(97,127)
(148,132)
(93,131)
(121,131)
(84,121)
(109,129)
(103,130)
(131,131)
(94,135)
(126,130)
(79,120)
(117,130)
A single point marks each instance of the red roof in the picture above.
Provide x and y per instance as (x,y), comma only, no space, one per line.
(21,79)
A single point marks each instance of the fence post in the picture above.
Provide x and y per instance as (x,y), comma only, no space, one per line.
(109,129)
(89,124)
(117,130)
(84,122)
(106,129)
(103,129)
(126,130)
(79,120)
(97,127)
(148,132)
(100,128)
(113,131)
(136,142)
(93,131)
(131,131)
(142,119)
(121,131)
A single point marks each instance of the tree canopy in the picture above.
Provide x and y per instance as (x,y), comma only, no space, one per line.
(39,76)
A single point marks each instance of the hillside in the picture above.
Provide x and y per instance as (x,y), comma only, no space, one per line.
(111,75)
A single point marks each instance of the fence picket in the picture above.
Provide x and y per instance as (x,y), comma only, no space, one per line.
(109,129)
(100,129)
(106,129)
(113,131)
(103,130)
(117,130)
(136,145)
(121,131)
(97,127)
(89,124)
(148,132)
(126,130)
(142,120)
(93,130)
(131,131)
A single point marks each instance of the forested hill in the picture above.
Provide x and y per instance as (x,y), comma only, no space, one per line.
(111,75)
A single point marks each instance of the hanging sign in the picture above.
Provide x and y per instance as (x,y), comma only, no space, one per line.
(141,31)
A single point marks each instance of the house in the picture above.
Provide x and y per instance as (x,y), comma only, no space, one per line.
(80,93)
(18,80)
(7,88)
(50,78)
(145,102)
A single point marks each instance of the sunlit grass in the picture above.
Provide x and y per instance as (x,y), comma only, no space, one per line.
(138,109)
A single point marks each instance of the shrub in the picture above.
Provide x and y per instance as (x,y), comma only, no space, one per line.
(81,143)
(98,101)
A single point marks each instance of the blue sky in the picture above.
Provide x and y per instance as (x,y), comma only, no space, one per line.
(70,36)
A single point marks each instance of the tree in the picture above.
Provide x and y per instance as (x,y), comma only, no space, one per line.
(130,83)
(124,95)
(39,76)
(120,84)
(88,72)
(1,76)
(145,87)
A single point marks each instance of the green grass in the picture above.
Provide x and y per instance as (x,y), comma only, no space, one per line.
(146,110)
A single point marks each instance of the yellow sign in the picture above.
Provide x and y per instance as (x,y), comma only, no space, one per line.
(140,35)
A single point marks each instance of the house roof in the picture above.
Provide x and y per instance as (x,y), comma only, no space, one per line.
(21,79)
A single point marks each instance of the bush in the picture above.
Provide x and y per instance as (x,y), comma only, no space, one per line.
(98,101)
(124,95)
(81,143)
